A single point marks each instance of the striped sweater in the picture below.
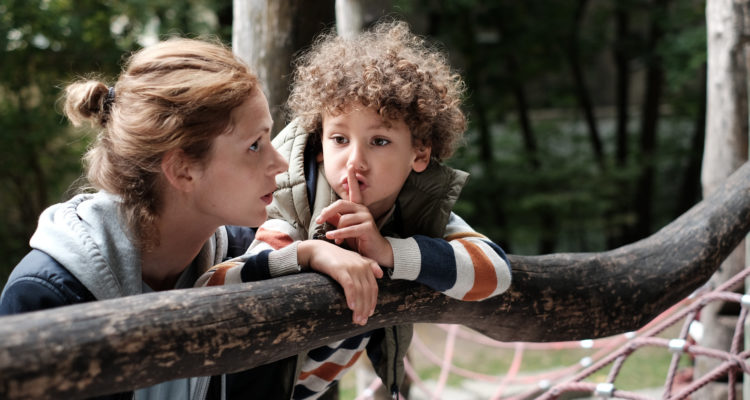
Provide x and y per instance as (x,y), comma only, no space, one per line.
(463,264)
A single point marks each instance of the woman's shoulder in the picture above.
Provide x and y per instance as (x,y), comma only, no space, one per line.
(39,282)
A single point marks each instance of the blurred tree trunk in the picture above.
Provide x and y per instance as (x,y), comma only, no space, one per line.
(349,17)
(266,34)
(690,192)
(644,192)
(725,150)
(622,78)
(616,236)
(476,79)
(581,91)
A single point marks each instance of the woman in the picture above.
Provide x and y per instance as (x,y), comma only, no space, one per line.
(183,150)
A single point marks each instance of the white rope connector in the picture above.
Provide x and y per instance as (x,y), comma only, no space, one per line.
(677,346)
(586,343)
(586,361)
(745,300)
(604,390)
(544,384)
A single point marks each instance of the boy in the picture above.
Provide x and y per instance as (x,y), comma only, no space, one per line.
(373,117)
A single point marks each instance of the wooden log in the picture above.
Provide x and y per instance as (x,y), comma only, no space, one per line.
(126,343)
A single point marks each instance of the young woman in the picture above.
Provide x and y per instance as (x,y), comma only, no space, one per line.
(183,152)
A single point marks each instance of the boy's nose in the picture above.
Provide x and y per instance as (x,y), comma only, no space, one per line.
(357,159)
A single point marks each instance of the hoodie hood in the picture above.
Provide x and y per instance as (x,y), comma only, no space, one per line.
(85,235)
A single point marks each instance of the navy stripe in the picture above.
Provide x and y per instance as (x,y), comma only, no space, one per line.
(325,352)
(302,392)
(438,269)
(256,268)
(499,251)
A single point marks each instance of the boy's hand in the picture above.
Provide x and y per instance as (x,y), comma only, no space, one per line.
(355,224)
(355,274)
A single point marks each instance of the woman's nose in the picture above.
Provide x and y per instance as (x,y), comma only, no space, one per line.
(279,163)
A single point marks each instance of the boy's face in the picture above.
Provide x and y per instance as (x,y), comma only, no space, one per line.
(379,156)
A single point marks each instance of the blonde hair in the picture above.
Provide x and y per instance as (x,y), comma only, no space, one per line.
(177,94)
(387,68)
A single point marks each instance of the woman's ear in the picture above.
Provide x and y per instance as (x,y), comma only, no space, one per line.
(178,170)
(422,157)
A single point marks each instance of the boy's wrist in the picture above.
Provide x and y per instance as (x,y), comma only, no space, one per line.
(406,258)
(284,261)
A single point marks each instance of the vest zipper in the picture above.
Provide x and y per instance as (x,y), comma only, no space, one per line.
(394,386)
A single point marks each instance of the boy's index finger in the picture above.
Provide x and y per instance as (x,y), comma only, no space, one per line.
(354,194)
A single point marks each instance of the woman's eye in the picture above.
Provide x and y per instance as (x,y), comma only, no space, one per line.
(255,146)
(380,142)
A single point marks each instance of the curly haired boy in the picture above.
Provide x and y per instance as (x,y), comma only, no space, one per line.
(374,116)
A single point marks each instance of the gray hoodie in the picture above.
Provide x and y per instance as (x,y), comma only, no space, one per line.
(86,236)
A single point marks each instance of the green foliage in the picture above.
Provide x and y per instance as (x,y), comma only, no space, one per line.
(551,194)
(46,44)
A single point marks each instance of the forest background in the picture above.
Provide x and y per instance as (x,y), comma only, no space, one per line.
(587,118)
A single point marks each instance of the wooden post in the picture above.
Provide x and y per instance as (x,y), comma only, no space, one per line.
(724,151)
(262,34)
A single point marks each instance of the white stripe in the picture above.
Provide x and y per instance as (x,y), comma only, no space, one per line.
(233,275)
(317,386)
(457,225)
(464,272)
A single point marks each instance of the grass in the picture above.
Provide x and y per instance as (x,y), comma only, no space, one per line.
(645,368)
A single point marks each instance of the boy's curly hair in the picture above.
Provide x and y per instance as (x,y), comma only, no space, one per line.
(388,68)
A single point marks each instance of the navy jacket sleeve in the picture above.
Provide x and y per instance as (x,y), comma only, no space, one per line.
(239,238)
(39,282)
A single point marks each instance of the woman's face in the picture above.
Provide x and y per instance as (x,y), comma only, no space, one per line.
(238,180)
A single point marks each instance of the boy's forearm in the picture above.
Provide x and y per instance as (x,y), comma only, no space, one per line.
(467,268)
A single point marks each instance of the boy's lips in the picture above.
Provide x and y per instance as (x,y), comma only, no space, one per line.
(345,184)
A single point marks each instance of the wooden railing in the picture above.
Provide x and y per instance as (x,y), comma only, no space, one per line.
(122,344)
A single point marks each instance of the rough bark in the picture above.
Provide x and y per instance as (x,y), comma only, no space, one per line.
(121,344)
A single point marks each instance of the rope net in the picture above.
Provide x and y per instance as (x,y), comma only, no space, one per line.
(609,356)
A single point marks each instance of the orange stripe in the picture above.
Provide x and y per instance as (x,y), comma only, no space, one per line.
(275,239)
(328,371)
(461,235)
(220,271)
(485,279)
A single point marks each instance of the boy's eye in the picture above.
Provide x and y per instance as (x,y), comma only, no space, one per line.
(380,142)
(339,140)
(255,146)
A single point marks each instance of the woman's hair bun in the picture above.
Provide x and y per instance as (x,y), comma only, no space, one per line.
(86,101)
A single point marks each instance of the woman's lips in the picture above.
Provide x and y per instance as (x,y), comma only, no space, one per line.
(267,198)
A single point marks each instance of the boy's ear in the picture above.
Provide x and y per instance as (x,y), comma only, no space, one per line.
(422,157)
(178,170)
